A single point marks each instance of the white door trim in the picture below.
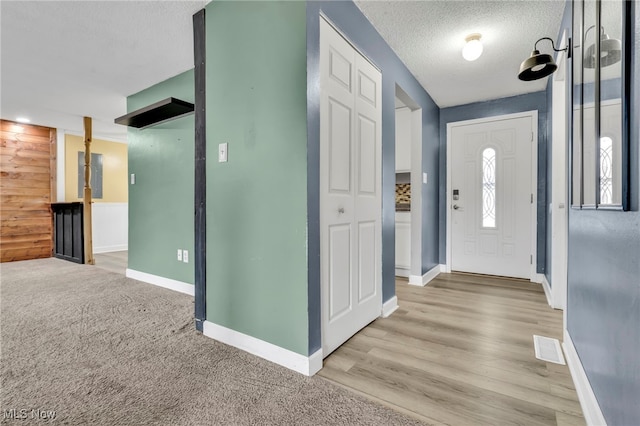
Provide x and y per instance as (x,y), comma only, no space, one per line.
(344,36)
(559,203)
(534,181)
(417,184)
(416,194)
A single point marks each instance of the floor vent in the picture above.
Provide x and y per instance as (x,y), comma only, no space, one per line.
(548,349)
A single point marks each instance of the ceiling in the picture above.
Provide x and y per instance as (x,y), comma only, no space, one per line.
(428,36)
(61,61)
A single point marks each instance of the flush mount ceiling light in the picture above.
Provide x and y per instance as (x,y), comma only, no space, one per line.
(473,48)
(610,50)
(23,120)
(538,65)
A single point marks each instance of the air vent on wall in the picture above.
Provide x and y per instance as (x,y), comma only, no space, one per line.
(159,112)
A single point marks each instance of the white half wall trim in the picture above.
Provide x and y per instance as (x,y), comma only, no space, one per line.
(302,364)
(167,283)
(588,402)
(110,227)
(389,306)
(60,165)
(428,276)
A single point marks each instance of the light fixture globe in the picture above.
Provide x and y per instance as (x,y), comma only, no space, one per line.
(536,66)
(473,48)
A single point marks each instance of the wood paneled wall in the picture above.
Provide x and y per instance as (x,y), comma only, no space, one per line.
(27,157)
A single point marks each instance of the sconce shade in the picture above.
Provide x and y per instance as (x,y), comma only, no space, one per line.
(536,66)
(610,52)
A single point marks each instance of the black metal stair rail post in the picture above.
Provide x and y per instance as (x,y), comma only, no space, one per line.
(200,190)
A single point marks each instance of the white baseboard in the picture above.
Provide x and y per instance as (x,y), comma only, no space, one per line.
(537,278)
(389,306)
(427,277)
(402,272)
(174,285)
(588,402)
(547,290)
(302,364)
(109,249)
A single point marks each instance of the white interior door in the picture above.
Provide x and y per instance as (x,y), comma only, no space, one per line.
(350,196)
(491,195)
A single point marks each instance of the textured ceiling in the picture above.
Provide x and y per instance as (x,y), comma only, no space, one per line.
(428,36)
(63,60)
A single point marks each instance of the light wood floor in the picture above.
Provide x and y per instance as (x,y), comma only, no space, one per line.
(460,352)
(115,261)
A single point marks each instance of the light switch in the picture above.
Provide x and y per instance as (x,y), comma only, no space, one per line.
(222,152)
(424,178)
(133,178)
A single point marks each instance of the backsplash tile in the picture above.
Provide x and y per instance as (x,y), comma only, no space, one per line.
(403,196)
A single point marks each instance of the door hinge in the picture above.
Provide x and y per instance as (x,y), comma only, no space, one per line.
(530,259)
(531,198)
(531,136)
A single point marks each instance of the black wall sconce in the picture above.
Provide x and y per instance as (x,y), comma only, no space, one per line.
(539,65)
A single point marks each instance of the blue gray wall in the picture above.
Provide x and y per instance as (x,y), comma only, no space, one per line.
(348,18)
(603,303)
(533,101)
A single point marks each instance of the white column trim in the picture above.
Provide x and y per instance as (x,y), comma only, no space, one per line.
(307,365)
(590,407)
(168,283)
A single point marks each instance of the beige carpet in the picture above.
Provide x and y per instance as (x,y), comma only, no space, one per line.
(100,349)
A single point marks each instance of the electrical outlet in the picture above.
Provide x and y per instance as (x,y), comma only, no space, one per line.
(179,255)
(185,256)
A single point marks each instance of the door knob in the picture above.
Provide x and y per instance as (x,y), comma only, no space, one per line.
(341,210)
(456,207)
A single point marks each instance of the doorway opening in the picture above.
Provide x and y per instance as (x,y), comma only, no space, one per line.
(408,189)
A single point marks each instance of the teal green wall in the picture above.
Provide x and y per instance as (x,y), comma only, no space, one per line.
(161,201)
(257,202)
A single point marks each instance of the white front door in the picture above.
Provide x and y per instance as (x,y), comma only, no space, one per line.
(350,196)
(492,197)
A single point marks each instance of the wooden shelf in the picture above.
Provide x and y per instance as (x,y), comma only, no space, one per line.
(161,111)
